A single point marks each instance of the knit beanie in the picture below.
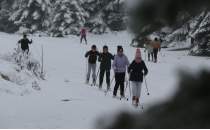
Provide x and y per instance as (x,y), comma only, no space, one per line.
(105,47)
(119,48)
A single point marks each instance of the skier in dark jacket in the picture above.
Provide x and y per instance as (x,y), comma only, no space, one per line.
(135,70)
(120,65)
(24,43)
(105,66)
(92,56)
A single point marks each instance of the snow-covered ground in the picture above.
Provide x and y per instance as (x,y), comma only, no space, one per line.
(65,67)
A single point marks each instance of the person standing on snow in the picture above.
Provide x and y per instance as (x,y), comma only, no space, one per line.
(83,34)
(156,48)
(137,70)
(92,56)
(25,43)
(149,49)
(120,65)
(105,58)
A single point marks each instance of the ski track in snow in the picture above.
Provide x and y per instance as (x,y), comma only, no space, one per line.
(65,66)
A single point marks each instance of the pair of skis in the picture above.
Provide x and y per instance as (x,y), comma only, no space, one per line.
(92,84)
(120,98)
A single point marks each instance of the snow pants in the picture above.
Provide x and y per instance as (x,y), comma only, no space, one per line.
(91,67)
(25,49)
(155,51)
(119,79)
(102,72)
(83,37)
(136,88)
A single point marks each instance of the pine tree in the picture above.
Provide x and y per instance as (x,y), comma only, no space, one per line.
(69,18)
(60,17)
(113,14)
(31,14)
(95,21)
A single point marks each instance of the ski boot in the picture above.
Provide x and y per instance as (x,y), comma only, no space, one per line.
(108,88)
(100,86)
(87,81)
(94,82)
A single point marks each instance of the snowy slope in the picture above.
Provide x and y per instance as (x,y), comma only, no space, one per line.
(65,68)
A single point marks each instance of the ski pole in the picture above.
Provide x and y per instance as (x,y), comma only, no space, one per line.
(126,86)
(96,76)
(112,80)
(86,67)
(42,69)
(146,86)
(129,85)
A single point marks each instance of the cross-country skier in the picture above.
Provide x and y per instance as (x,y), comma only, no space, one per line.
(149,49)
(120,65)
(83,34)
(92,56)
(156,48)
(137,70)
(24,43)
(105,58)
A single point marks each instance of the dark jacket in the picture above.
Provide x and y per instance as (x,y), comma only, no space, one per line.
(24,43)
(136,71)
(105,59)
(92,56)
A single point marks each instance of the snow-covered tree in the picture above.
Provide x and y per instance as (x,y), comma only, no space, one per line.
(202,36)
(95,21)
(60,17)
(114,14)
(105,15)
(5,12)
(69,17)
(31,14)
(193,33)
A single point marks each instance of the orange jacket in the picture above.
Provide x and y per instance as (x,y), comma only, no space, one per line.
(156,44)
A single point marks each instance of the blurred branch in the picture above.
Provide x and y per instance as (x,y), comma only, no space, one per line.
(152,15)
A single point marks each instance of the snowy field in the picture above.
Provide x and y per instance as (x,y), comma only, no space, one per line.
(65,67)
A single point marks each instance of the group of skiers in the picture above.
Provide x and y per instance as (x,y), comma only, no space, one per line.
(136,70)
(152,48)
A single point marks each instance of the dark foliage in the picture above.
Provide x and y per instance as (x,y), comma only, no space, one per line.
(151,15)
(189,108)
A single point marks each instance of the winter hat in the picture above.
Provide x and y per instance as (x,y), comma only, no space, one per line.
(105,47)
(119,48)
(138,55)
(24,35)
(93,47)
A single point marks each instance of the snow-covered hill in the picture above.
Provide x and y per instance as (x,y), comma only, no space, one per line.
(65,67)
